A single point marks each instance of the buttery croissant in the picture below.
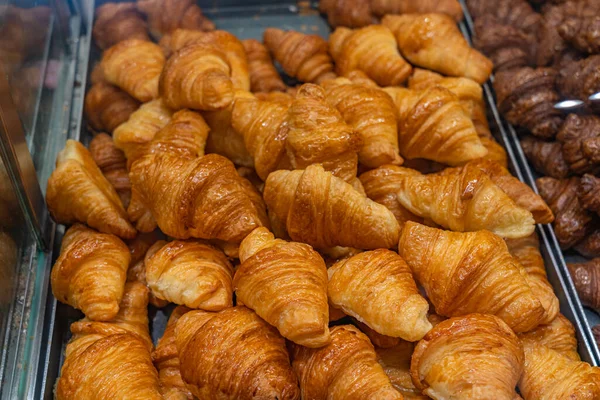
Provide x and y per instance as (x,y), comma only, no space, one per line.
(448,7)
(558,335)
(433,125)
(470,272)
(78,192)
(377,288)
(115,22)
(134,65)
(190,273)
(580,138)
(350,13)
(113,165)
(107,107)
(372,50)
(283,98)
(90,272)
(464,199)
(324,211)
(346,368)
(548,374)
(197,76)
(263,74)
(546,157)
(395,361)
(166,360)
(165,16)
(526,251)
(372,114)
(272,273)
(140,128)
(233,355)
(433,41)
(301,56)
(472,357)
(586,277)
(189,195)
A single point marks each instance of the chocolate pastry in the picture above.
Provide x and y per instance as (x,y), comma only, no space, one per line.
(517,13)
(580,79)
(586,277)
(589,193)
(546,157)
(580,138)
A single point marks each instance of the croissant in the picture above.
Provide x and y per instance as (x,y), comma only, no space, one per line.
(464,199)
(301,56)
(526,98)
(350,13)
(580,138)
(483,359)
(548,374)
(582,32)
(272,273)
(318,134)
(165,16)
(112,163)
(372,114)
(140,128)
(396,365)
(589,193)
(263,74)
(282,98)
(134,65)
(346,368)
(372,50)
(526,252)
(546,157)
(90,272)
(586,277)
(166,360)
(233,355)
(189,195)
(377,288)
(197,76)
(78,192)
(433,41)
(571,220)
(376,338)
(115,22)
(107,106)
(579,79)
(470,272)
(451,8)
(190,273)
(558,335)
(324,211)
(433,125)
(517,13)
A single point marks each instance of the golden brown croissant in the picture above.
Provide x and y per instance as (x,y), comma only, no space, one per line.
(133,135)
(470,272)
(318,134)
(90,272)
(189,195)
(372,50)
(113,164)
(476,356)
(448,7)
(395,361)
(107,107)
(282,98)
(372,114)
(558,335)
(350,13)
(548,374)
(134,65)
(586,277)
(165,16)
(324,211)
(197,76)
(234,355)
(527,252)
(301,56)
(190,273)
(263,74)
(377,288)
(78,192)
(464,199)
(433,125)
(433,41)
(285,283)
(166,360)
(346,368)
(115,22)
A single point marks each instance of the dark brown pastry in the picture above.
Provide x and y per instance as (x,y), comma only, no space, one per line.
(526,97)
(583,33)
(596,332)
(551,45)
(113,164)
(590,246)
(107,106)
(589,193)
(586,277)
(580,138)
(517,13)
(580,79)
(116,22)
(546,157)
(571,220)
(349,13)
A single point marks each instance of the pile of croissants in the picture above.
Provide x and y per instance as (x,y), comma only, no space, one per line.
(355,237)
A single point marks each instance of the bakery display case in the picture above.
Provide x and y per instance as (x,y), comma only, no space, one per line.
(52,86)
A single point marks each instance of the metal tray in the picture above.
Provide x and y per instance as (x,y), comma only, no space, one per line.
(248,19)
